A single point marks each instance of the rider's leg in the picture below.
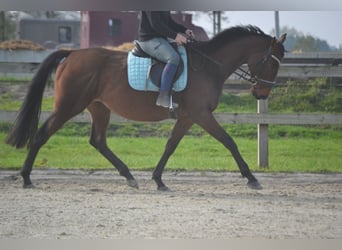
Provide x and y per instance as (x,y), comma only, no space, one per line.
(162,50)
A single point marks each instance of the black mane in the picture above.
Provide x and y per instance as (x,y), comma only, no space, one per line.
(234,33)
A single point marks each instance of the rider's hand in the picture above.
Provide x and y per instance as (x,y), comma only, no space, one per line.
(190,33)
(181,39)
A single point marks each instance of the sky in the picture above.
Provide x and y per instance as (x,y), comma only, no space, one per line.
(325,25)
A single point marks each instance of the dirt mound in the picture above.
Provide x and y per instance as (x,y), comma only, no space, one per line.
(124,47)
(20,44)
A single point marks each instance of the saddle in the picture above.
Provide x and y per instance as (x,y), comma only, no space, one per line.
(156,68)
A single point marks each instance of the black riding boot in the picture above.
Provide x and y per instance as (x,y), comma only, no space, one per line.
(164,100)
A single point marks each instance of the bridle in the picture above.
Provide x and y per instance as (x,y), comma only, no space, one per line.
(254,79)
(242,73)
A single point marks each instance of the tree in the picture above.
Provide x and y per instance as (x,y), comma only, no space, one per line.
(7,26)
(310,43)
(298,41)
(216,17)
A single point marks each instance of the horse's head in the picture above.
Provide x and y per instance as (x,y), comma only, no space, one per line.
(264,68)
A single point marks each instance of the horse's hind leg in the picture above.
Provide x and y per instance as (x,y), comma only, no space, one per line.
(100,120)
(50,126)
(39,140)
(66,107)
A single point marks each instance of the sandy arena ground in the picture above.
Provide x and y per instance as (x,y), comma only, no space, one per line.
(97,205)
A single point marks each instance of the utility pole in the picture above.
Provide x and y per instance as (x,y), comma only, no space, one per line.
(217,22)
(277,27)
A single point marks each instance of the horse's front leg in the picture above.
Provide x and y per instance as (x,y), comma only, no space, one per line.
(209,124)
(181,127)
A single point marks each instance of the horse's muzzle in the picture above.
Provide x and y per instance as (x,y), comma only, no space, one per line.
(259,96)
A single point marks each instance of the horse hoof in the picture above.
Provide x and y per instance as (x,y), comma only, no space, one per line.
(164,189)
(254,185)
(29,186)
(133,183)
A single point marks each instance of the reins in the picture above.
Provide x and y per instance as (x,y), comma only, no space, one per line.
(189,45)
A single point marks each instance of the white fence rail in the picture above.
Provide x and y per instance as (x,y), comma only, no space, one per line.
(24,63)
(21,63)
(223,118)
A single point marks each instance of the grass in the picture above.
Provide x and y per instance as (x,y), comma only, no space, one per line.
(10,103)
(295,153)
(315,95)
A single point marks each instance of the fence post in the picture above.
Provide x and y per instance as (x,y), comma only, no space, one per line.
(263,136)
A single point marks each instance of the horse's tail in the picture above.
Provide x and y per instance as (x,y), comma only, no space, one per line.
(26,123)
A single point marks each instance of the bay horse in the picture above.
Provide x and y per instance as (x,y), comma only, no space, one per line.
(96,79)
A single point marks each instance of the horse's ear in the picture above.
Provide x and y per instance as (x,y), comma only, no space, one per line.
(282,38)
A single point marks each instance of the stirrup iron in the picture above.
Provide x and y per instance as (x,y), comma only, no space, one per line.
(171,108)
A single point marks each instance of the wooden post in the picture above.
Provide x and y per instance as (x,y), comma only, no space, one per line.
(262,136)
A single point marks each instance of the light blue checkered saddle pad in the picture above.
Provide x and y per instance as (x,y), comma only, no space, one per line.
(137,73)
